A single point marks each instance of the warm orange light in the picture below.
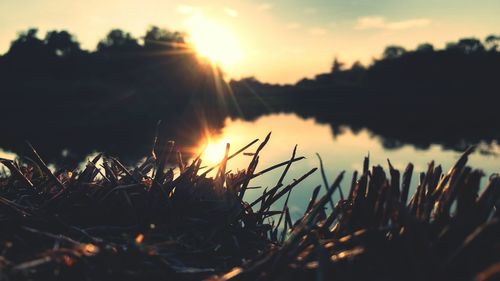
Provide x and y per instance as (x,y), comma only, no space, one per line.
(90,249)
(139,238)
(214,151)
(213,41)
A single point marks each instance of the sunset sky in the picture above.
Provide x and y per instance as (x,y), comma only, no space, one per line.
(276,40)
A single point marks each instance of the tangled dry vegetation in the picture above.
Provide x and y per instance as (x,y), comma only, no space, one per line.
(111,222)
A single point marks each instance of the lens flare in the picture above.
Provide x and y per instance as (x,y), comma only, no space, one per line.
(213,41)
(214,151)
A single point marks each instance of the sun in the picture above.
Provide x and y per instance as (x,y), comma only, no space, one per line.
(214,152)
(212,148)
(213,41)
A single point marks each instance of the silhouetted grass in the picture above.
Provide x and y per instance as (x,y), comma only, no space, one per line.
(111,222)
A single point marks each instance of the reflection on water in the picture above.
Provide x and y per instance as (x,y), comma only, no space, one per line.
(344,151)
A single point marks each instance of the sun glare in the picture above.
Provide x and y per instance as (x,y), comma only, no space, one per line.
(213,41)
(214,151)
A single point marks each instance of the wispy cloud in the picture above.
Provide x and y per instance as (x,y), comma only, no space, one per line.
(379,22)
(318,31)
(265,6)
(231,12)
(185,9)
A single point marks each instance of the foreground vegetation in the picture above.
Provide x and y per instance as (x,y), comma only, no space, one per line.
(154,222)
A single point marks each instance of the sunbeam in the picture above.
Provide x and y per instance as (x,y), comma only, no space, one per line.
(213,41)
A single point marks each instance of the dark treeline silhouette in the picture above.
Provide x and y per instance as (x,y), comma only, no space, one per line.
(423,96)
(54,93)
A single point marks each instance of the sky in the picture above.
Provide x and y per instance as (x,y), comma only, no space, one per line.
(278,41)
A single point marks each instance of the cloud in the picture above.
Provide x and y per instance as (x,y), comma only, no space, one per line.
(409,24)
(293,25)
(317,31)
(185,9)
(231,12)
(265,6)
(378,22)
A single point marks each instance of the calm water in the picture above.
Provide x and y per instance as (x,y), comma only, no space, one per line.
(344,152)
(340,152)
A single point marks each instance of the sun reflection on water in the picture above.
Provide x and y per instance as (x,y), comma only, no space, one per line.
(214,151)
(344,151)
(213,145)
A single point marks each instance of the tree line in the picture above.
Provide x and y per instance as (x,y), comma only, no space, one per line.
(57,92)
(422,96)
(63,44)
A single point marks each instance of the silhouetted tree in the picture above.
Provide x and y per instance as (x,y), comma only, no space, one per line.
(337,66)
(393,51)
(27,44)
(492,41)
(118,40)
(162,38)
(425,47)
(105,95)
(62,43)
(251,80)
(466,46)
(357,66)
(355,73)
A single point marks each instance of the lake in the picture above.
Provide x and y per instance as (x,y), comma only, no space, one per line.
(342,151)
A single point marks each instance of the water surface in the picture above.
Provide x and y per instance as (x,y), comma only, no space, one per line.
(340,152)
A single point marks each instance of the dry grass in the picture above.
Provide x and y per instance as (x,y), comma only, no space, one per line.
(147,223)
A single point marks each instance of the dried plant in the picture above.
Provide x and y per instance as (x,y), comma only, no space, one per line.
(148,222)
